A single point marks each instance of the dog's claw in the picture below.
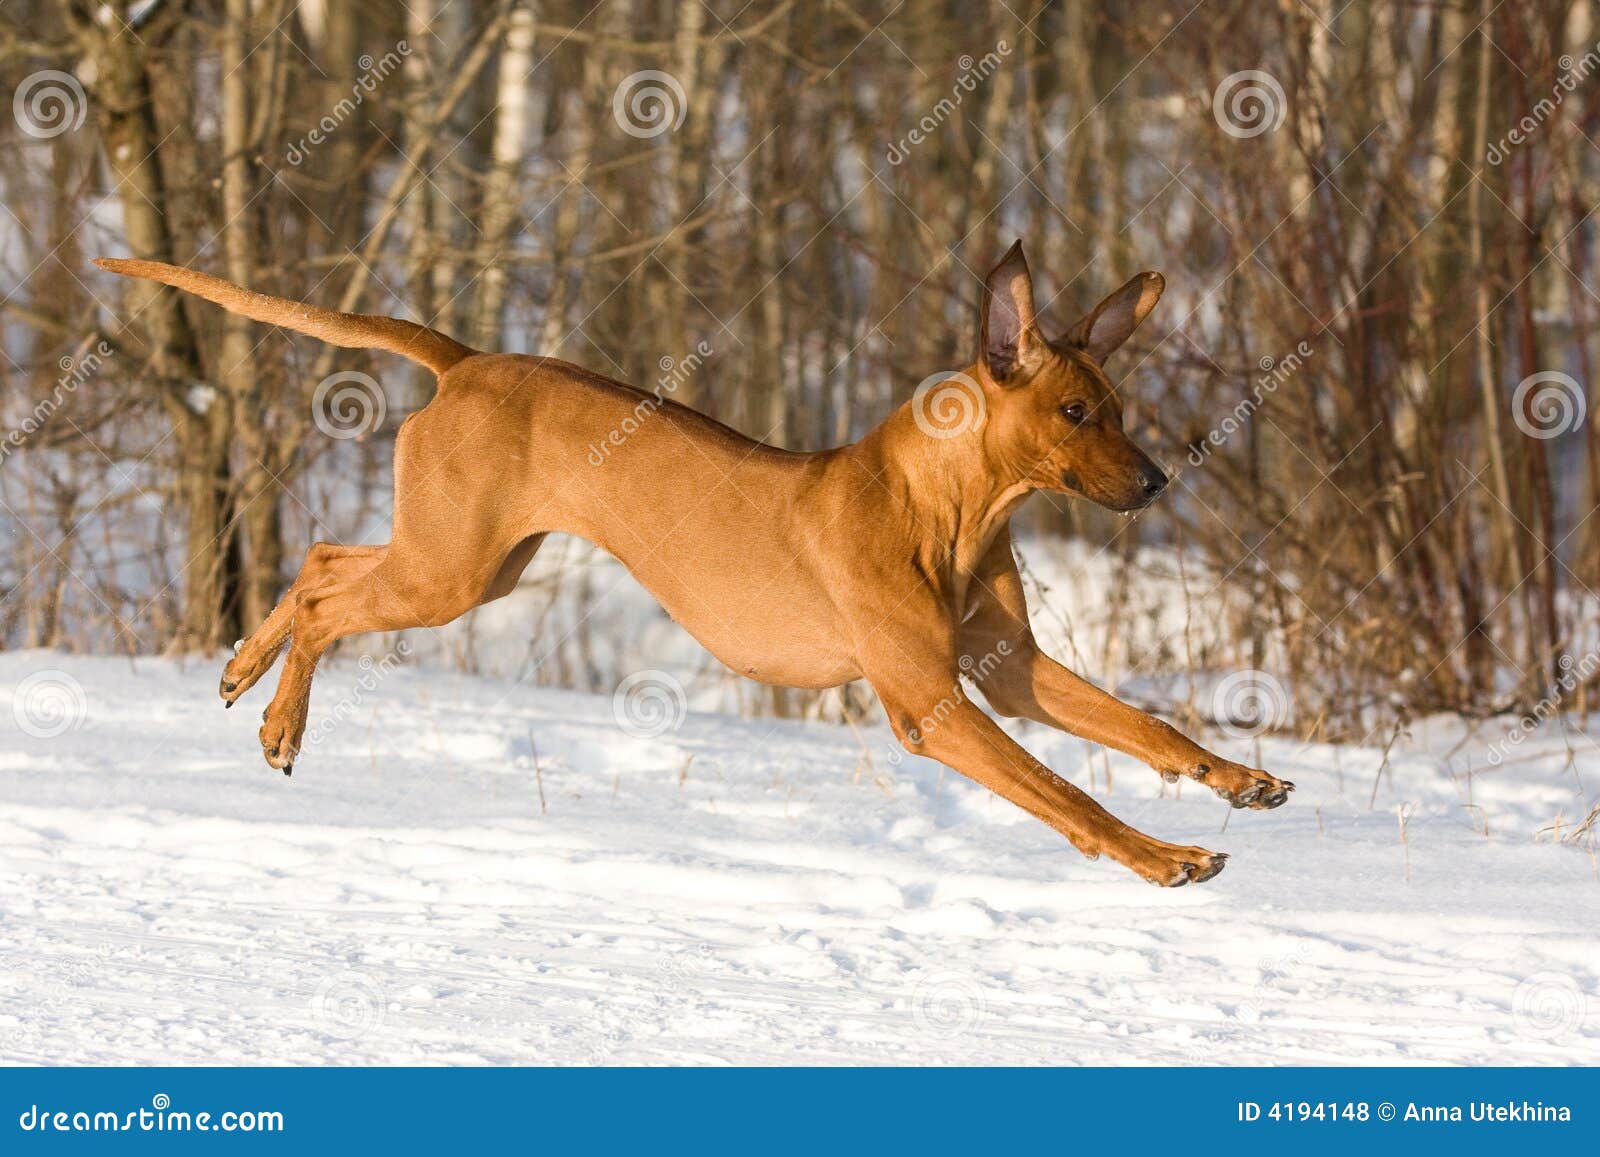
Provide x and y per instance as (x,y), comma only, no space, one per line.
(1176,873)
(1244,788)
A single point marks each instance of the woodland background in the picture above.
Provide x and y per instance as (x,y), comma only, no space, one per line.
(1372,375)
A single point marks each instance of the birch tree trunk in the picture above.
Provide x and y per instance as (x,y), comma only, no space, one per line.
(199,415)
(502,193)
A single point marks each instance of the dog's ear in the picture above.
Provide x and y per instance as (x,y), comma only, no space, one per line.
(1010,342)
(1115,318)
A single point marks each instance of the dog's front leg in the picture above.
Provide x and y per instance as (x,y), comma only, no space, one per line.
(1031,685)
(1019,679)
(932,716)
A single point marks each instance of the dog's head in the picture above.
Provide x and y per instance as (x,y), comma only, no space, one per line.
(1054,414)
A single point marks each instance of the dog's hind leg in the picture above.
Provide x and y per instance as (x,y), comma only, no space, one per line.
(410,586)
(325,563)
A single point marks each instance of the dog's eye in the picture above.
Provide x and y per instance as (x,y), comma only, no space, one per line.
(1075,411)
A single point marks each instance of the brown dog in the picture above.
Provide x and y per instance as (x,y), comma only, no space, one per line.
(888,559)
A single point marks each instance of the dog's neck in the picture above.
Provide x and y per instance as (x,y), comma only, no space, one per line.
(961,489)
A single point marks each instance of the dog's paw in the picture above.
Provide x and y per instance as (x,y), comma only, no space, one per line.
(1173,866)
(242,672)
(1243,786)
(280,741)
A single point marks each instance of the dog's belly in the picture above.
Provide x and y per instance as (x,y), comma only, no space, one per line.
(781,633)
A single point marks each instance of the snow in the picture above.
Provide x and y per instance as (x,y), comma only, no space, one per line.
(472,870)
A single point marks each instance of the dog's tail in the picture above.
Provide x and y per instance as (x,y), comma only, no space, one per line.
(354,330)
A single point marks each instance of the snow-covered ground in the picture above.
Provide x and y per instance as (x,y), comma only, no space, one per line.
(465,870)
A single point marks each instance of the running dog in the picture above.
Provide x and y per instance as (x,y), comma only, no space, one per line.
(888,559)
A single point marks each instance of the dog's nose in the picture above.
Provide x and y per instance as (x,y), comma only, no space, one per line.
(1152,480)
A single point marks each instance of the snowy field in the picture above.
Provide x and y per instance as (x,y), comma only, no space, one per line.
(471,871)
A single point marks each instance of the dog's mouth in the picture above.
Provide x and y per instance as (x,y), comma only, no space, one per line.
(1131,506)
(1145,490)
